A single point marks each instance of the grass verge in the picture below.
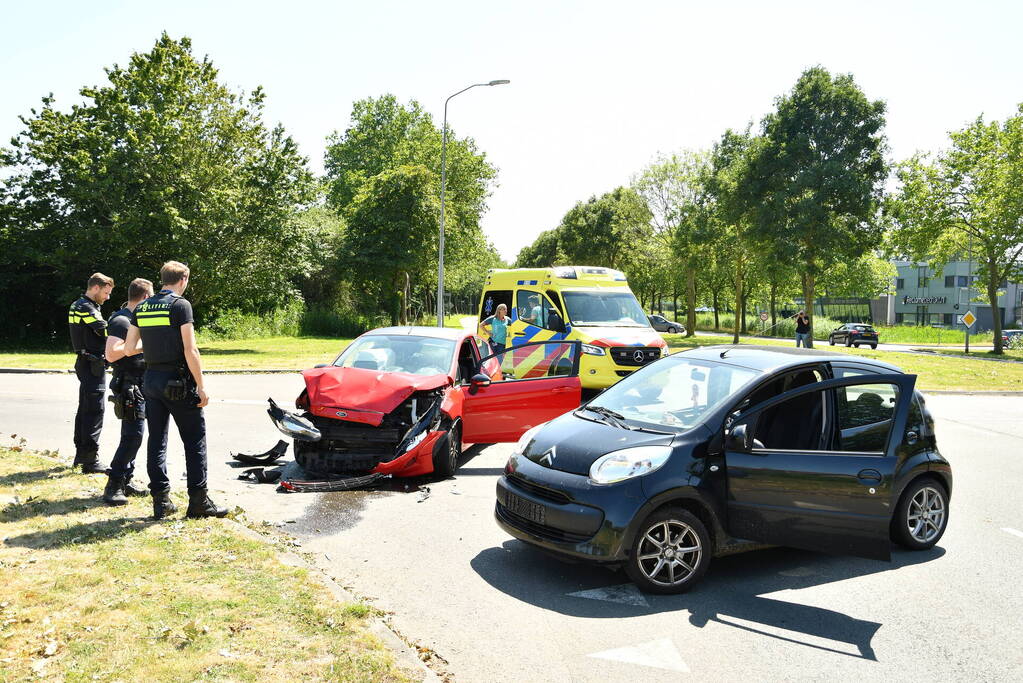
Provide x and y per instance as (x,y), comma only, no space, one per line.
(99,593)
(937,372)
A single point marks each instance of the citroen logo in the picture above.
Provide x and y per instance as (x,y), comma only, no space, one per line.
(548,458)
(639,356)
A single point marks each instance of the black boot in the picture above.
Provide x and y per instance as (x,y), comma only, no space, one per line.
(131,489)
(113,494)
(163,505)
(90,464)
(200,505)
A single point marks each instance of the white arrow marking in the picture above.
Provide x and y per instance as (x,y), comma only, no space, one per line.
(625,594)
(1013,532)
(658,654)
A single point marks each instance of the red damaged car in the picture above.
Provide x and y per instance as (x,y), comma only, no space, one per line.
(405,401)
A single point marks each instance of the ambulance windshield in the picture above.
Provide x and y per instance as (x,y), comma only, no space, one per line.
(601,308)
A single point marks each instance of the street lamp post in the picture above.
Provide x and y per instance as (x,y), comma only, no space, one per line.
(443,188)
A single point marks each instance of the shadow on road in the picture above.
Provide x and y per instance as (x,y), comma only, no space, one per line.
(730,594)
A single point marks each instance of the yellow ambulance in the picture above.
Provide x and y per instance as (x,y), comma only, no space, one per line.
(588,304)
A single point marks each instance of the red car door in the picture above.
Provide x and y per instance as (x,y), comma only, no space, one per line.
(541,382)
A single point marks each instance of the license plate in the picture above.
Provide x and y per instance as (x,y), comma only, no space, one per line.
(534,512)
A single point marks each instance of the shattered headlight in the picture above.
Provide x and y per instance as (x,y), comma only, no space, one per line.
(293,425)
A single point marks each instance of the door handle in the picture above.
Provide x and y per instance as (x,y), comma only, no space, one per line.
(872,475)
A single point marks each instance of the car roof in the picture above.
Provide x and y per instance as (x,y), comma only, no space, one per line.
(773,358)
(422,331)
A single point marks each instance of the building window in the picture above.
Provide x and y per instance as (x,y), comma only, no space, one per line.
(898,318)
(950,280)
(923,281)
(947,318)
(962,281)
(900,283)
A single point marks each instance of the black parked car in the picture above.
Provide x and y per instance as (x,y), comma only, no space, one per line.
(854,334)
(662,324)
(728,448)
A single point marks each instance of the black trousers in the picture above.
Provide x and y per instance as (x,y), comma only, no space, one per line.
(89,418)
(191,427)
(123,464)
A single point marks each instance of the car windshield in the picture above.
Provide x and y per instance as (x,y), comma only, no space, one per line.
(399,353)
(604,309)
(674,392)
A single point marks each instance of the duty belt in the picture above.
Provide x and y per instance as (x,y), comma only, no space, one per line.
(167,367)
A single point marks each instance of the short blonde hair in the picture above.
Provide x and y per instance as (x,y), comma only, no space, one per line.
(99,280)
(173,272)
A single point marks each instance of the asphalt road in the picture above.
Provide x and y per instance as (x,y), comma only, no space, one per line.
(497,610)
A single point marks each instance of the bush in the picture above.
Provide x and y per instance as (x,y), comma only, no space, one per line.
(320,321)
(785,327)
(234,324)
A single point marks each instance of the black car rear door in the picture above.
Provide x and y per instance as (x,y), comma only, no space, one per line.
(813,468)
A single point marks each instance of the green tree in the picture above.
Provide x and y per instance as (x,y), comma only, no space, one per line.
(162,162)
(544,252)
(390,243)
(384,135)
(606,230)
(673,189)
(969,195)
(818,176)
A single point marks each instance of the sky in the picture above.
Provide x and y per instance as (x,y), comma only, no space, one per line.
(598,89)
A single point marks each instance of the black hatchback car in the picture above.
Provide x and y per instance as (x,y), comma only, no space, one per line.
(854,334)
(728,448)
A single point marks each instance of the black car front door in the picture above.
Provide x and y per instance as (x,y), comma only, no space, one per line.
(813,468)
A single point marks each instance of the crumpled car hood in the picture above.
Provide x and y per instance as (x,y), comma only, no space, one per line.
(362,395)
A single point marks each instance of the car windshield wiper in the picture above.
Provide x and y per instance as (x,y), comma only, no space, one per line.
(612,417)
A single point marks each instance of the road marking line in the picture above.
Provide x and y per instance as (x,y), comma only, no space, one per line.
(657,654)
(624,594)
(1014,532)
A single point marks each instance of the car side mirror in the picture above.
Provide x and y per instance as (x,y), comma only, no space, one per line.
(478,381)
(738,438)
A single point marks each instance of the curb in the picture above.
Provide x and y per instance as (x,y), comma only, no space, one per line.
(405,656)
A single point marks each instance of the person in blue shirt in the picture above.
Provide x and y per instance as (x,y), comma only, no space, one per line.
(497,328)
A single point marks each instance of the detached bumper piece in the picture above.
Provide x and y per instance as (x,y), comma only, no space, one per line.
(259,475)
(270,457)
(344,484)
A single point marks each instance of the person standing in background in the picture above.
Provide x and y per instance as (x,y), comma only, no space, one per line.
(88,332)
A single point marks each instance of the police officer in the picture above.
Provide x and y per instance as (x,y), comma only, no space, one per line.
(173,387)
(129,404)
(88,338)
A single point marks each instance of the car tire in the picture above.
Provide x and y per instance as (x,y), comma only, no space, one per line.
(831,340)
(848,342)
(445,459)
(921,516)
(647,566)
(874,346)
(674,330)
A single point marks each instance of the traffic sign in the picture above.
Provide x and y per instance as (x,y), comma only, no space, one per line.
(764,316)
(969,318)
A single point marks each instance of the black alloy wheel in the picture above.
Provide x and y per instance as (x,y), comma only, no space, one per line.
(921,515)
(445,461)
(671,552)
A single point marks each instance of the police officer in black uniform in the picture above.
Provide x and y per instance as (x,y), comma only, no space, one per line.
(88,338)
(126,395)
(173,387)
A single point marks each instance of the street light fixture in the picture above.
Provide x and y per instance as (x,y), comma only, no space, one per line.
(443,188)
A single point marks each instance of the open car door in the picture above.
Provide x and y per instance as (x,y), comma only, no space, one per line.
(540,381)
(813,468)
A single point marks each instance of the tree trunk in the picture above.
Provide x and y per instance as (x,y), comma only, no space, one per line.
(739,303)
(690,302)
(808,298)
(674,302)
(992,297)
(774,300)
(717,322)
